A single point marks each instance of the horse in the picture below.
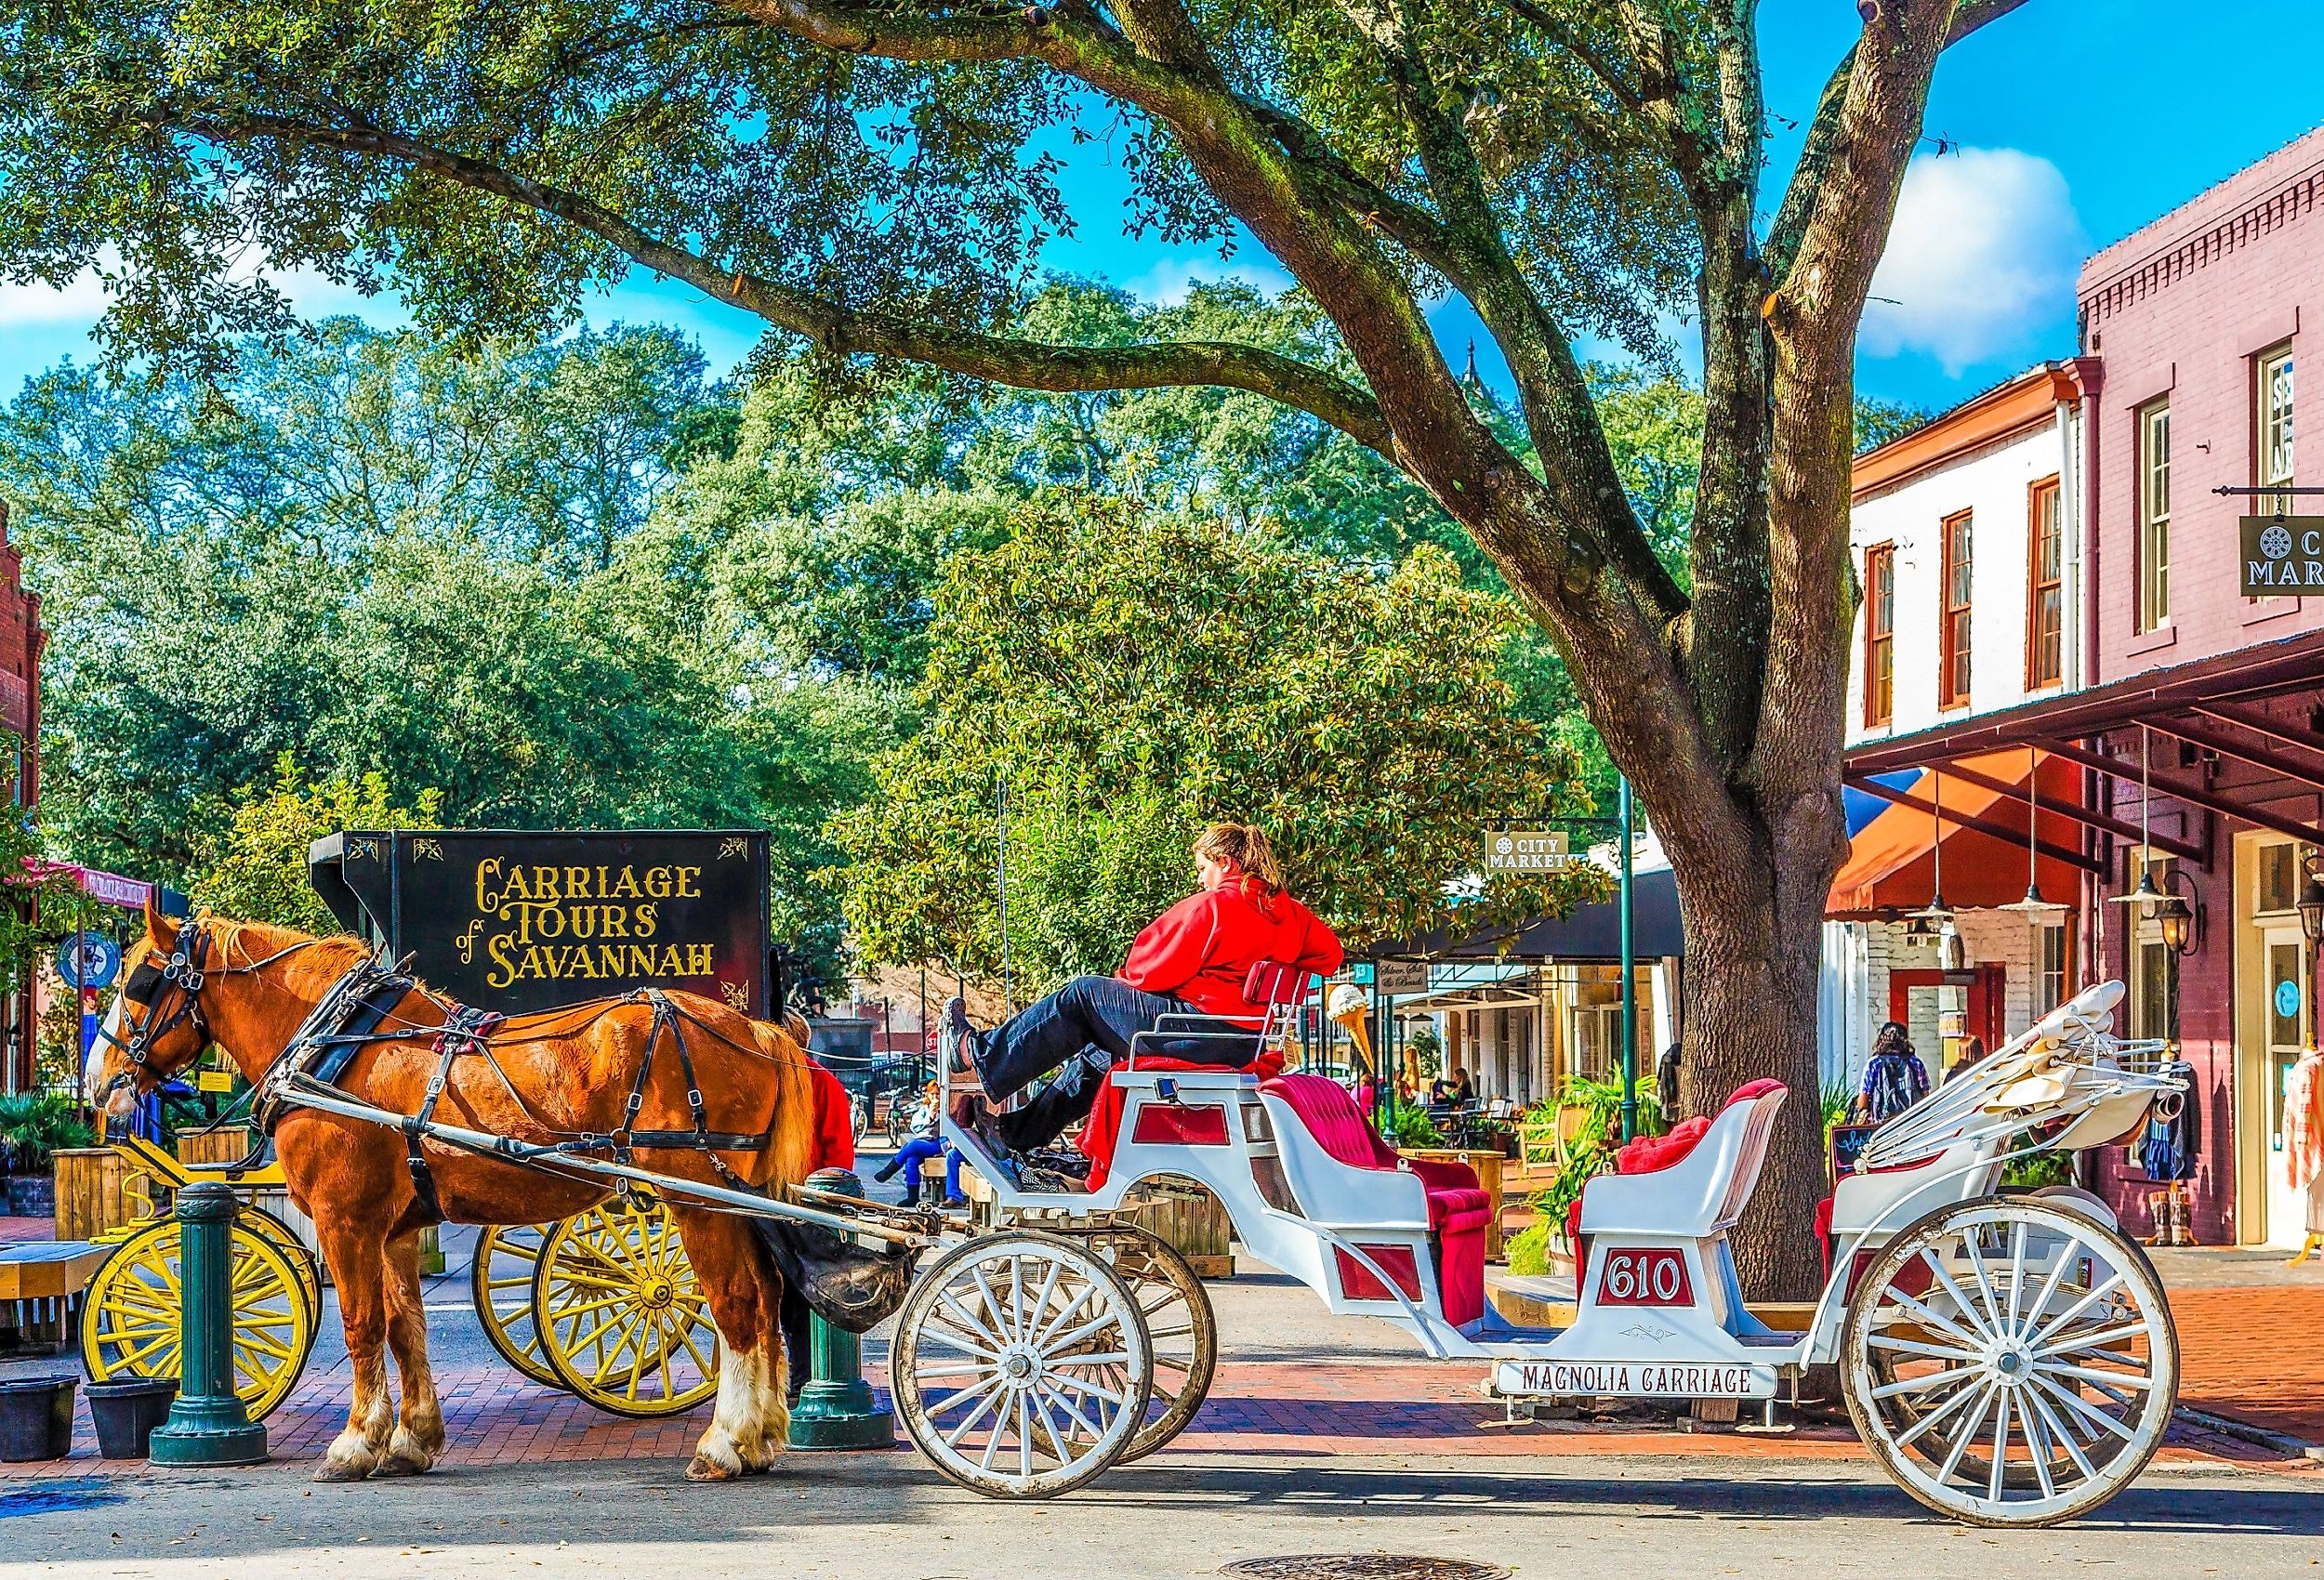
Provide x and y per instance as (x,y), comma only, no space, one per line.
(591,1069)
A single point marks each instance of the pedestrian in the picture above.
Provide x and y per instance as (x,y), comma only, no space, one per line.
(1666,1082)
(925,1144)
(1893,1078)
(1193,961)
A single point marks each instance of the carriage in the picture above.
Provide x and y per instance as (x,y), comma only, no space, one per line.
(2009,1358)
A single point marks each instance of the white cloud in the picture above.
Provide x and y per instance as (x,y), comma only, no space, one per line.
(81,300)
(1168,282)
(1982,257)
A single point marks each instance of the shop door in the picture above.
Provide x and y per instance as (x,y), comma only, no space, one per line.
(2289,1005)
(1940,1007)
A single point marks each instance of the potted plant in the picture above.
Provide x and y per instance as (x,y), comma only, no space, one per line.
(33,1127)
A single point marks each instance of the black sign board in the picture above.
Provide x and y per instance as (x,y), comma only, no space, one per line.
(2282,555)
(514,920)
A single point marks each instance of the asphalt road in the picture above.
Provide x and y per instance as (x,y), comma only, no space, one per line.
(846,1516)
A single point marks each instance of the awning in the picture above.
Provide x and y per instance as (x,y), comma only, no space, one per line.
(1892,865)
(1590,932)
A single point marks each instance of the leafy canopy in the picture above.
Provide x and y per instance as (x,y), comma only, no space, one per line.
(1127,676)
(250,851)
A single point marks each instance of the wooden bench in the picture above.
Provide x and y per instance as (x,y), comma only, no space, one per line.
(41,1283)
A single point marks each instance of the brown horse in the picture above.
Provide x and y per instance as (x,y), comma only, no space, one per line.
(548,1077)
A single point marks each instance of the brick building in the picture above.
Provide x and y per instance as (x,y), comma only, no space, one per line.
(21,639)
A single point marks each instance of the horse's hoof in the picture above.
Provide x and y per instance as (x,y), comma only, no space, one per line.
(706,1468)
(327,1471)
(394,1464)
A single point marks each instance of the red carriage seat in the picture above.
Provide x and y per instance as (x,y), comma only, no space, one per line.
(1746,1121)
(1457,1208)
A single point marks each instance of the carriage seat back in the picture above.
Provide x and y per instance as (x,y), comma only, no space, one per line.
(1698,1190)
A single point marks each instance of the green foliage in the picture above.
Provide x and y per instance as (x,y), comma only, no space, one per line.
(1837,1100)
(1133,676)
(1527,1250)
(250,849)
(2033,1172)
(1592,1152)
(35,1125)
(1409,1125)
(1428,1052)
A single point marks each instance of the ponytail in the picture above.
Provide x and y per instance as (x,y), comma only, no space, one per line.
(1244,845)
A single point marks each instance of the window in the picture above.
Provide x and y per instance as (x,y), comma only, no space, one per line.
(2045,614)
(1880,635)
(2275,430)
(2283,873)
(1953,659)
(2154,517)
(2050,984)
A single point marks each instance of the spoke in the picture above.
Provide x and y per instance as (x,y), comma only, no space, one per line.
(1973,1424)
(2036,1445)
(2016,1270)
(1025,1437)
(2093,1341)
(966,1369)
(968,1423)
(1048,1289)
(2001,1446)
(1176,1330)
(1041,1338)
(2081,1408)
(2075,1310)
(1983,1285)
(2064,1438)
(1092,1429)
(1936,1416)
(931,1328)
(998,1328)
(1083,1384)
(992,1439)
(1930,1317)
(2105,1382)
(1922,1384)
(1977,1332)
(2058,1265)
(1066,1341)
(1915,1347)
(1049,1429)
(991,1380)
(986,1341)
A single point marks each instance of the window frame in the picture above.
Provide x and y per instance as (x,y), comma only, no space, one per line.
(2263,435)
(1880,638)
(1955,631)
(2153,591)
(2047,490)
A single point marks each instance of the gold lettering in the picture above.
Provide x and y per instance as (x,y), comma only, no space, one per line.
(657,882)
(552,922)
(584,919)
(504,970)
(517,890)
(608,958)
(544,885)
(616,922)
(640,960)
(687,887)
(580,963)
(699,962)
(577,883)
(625,886)
(486,901)
(647,916)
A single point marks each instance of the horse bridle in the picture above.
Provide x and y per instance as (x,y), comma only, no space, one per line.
(147,989)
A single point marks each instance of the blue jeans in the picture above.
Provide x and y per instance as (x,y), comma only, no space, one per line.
(918,1150)
(1080,1031)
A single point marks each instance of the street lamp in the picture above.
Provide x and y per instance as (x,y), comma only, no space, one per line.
(2177,923)
(2311,905)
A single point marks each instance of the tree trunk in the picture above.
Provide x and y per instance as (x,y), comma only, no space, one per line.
(1753,919)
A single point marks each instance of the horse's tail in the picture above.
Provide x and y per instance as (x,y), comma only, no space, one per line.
(791,1133)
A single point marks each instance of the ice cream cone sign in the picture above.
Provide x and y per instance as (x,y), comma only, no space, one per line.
(1351,1009)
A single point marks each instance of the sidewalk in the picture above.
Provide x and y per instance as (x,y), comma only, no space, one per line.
(2251,1337)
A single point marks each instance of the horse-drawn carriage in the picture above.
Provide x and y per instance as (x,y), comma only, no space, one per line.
(2009,1359)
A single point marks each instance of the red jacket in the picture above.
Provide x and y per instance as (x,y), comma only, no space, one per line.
(1202,949)
(835,1120)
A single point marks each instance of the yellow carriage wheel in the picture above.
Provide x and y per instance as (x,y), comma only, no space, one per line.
(130,1321)
(286,1241)
(622,1318)
(500,1282)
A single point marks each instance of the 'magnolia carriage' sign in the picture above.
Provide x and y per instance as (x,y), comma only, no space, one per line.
(515,921)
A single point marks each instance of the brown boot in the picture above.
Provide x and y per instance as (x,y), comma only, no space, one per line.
(2157,1219)
(2182,1230)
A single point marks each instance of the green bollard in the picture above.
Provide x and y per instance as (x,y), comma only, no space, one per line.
(207,1424)
(836,1408)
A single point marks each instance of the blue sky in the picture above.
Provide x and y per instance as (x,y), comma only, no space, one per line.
(2074,121)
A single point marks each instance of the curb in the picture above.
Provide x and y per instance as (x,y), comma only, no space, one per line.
(2227,1426)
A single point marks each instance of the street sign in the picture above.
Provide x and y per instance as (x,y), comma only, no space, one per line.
(1525,850)
(2282,554)
(1400,979)
(88,960)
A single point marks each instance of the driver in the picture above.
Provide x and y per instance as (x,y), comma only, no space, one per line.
(1193,959)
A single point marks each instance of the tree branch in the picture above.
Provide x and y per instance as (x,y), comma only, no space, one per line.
(1025,365)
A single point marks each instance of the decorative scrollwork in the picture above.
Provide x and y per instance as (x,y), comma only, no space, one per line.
(737,996)
(427,850)
(730,850)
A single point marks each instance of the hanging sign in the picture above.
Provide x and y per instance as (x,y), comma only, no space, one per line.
(2287,997)
(88,960)
(1525,850)
(2282,554)
(1400,979)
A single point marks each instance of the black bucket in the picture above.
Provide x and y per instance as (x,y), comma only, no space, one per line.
(36,1417)
(128,1412)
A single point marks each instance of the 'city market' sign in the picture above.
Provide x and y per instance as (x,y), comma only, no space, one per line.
(2282,554)
(1525,850)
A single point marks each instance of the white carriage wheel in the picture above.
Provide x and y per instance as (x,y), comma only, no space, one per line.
(1181,1329)
(2011,1361)
(1021,1364)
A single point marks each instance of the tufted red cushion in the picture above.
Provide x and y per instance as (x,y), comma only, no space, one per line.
(1331,1117)
(1647,1154)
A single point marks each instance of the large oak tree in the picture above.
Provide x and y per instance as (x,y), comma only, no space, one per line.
(877,175)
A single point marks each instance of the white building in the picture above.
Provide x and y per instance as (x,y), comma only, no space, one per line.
(1967,534)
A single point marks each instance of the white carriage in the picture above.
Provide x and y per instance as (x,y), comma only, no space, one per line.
(2009,1358)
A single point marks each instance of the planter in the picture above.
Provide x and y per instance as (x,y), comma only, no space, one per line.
(1490,1165)
(36,1417)
(128,1412)
(92,1194)
(1191,1220)
(31,1195)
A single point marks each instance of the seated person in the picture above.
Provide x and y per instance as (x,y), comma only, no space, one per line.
(1191,960)
(924,1144)
(1455,1088)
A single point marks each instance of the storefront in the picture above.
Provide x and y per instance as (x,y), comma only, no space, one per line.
(2198,811)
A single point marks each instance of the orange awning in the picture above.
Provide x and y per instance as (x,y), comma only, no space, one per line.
(1892,862)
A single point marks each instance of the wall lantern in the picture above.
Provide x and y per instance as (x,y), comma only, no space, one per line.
(2312,902)
(2177,922)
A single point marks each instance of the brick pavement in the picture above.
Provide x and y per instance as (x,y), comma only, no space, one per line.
(2256,1354)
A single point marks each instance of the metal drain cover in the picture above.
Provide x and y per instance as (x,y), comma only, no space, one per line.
(1362,1566)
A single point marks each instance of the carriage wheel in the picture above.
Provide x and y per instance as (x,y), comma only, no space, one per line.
(500,1283)
(622,1319)
(1181,1328)
(286,1241)
(2011,1361)
(130,1320)
(1021,1364)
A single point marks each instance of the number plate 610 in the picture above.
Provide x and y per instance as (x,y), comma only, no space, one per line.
(1642,1276)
